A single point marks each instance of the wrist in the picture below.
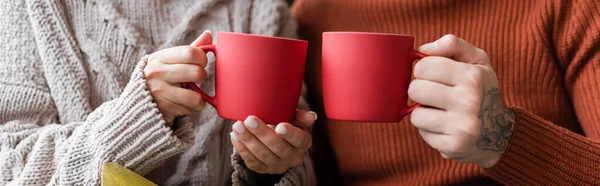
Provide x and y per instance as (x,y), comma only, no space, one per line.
(507,120)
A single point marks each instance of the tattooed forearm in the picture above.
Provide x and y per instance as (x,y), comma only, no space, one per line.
(497,122)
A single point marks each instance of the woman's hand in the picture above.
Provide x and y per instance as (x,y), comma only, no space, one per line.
(273,150)
(467,119)
(168,68)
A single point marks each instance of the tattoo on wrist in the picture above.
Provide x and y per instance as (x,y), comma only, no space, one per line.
(497,122)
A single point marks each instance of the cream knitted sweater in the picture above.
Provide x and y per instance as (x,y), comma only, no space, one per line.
(73,94)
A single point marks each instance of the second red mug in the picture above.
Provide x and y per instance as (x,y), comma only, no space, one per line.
(365,76)
(256,75)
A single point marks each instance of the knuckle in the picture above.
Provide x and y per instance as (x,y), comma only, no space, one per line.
(198,102)
(152,58)
(475,76)
(482,52)
(199,73)
(192,52)
(472,127)
(153,71)
(483,55)
(450,36)
(450,40)
(471,103)
(196,54)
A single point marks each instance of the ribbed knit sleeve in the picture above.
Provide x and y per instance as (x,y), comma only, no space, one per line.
(541,152)
(128,130)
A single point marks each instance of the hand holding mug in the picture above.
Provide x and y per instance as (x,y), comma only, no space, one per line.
(467,120)
(260,76)
(269,149)
(167,68)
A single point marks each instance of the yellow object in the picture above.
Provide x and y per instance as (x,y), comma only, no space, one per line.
(114,174)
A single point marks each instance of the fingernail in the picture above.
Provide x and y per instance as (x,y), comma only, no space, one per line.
(251,122)
(237,126)
(234,137)
(280,129)
(428,46)
(314,113)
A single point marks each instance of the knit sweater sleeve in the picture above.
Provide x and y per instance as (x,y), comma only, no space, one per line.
(541,152)
(128,130)
(300,175)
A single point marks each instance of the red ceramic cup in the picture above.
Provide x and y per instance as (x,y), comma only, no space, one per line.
(256,75)
(366,75)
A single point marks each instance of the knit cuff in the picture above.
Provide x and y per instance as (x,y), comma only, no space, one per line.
(541,153)
(136,134)
(300,175)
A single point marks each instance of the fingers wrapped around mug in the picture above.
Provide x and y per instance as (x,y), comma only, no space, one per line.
(269,151)
(467,119)
(169,67)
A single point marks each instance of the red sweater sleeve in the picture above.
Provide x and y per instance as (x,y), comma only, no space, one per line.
(542,153)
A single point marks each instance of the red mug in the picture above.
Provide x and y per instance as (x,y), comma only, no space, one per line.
(256,75)
(365,76)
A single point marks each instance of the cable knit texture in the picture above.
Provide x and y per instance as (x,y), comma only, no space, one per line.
(547,58)
(73,94)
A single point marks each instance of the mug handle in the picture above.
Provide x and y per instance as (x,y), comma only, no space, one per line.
(415,56)
(191,85)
